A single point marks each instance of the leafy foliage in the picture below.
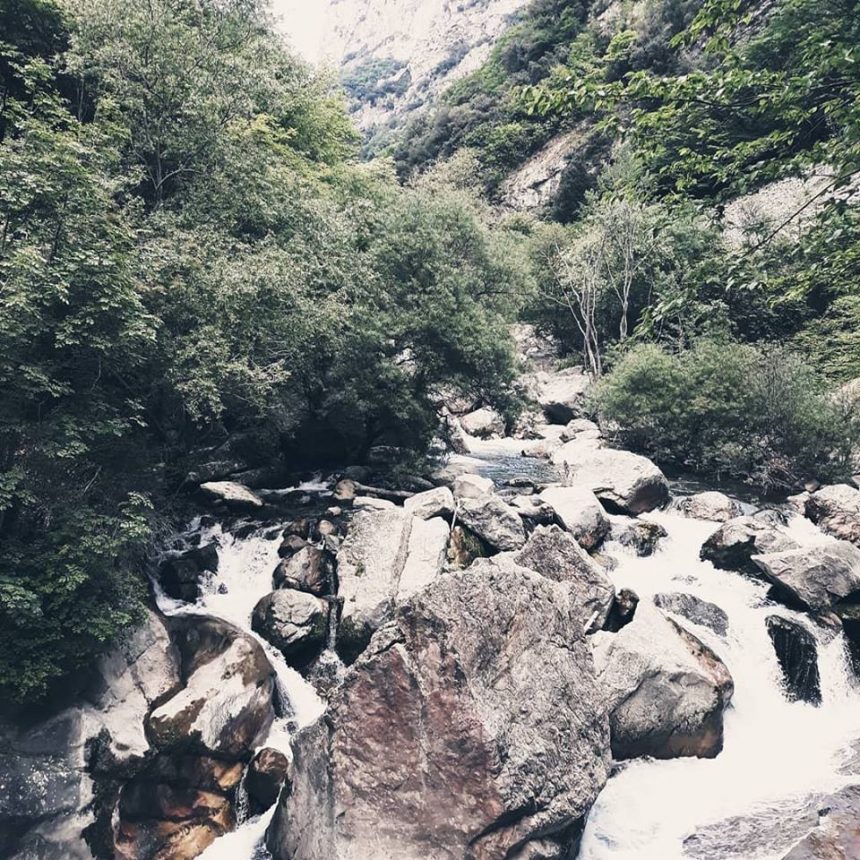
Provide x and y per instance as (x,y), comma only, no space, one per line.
(729,409)
(190,257)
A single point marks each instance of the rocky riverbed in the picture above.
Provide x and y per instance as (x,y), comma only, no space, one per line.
(544,655)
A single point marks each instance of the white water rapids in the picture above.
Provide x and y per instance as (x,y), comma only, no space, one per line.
(245,567)
(778,755)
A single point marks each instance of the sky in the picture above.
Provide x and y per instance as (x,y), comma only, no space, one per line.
(302,21)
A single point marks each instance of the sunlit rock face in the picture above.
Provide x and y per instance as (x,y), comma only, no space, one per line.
(396,55)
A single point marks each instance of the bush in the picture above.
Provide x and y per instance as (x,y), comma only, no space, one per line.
(730,409)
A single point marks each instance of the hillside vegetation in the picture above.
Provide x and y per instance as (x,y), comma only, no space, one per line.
(685,110)
(195,269)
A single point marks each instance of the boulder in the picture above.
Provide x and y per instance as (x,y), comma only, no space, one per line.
(267,773)
(344,490)
(53,759)
(369,565)
(579,512)
(837,835)
(180,575)
(295,622)
(813,577)
(290,545)
(533,510)
(496,523)
(225,707)
(556,555)
(561,394)
(471,486)
(797,653)
(236,497)
(733,544)
(485,423)
(624,482)
(425,556)
(641,536)
(836,510)
(470,727)
(438,502)
(694,609)
(310,569)
(665,690)
(709,506)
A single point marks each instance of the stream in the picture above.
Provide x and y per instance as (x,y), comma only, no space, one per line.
(752,801)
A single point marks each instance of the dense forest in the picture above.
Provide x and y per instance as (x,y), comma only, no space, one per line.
(197,268)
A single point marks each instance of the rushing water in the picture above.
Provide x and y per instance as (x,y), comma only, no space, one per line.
(777,755)
(245,566)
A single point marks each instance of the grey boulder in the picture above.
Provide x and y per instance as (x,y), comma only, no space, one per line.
(701,612)
(666,691)
(836,510)
(710,505)
(624,482)
(733,544)
(579,512)
(471,727)
(492,520)
(295,622)
(556,555)
(813,577)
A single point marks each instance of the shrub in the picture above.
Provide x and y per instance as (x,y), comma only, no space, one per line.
(736,410)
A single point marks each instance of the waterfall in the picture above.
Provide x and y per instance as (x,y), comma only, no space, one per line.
(778,755)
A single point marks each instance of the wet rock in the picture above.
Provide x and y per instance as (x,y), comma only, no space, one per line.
(267,773)
(797,653)
(733,544)
(556,555)
(709,506)
(836,510)
(425,556)
(429,750)
(310,570)
(294,622)
(495,522)
(533,510)
(484,423)
(623,610)
(642,536)
(344,490)
(235,497)
(453,435)
(369,565)
(226,704)
(471,486)
(624,482)
(579,512)
(695,609)
(180,576)
(51,761)
(838,833)
(290,545)
(813,577)
(438,502)
(666,691)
